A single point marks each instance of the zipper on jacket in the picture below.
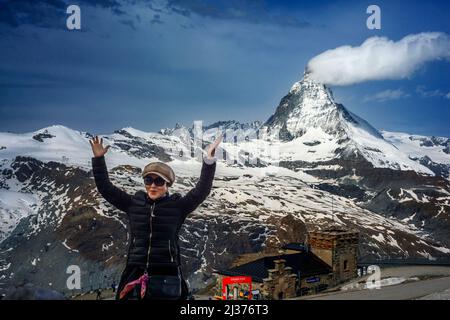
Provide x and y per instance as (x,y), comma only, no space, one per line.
(170,252)
(150,237)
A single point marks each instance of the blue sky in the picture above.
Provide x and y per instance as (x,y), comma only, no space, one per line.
(150,64)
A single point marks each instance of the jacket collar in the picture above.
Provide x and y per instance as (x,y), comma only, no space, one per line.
(160,199)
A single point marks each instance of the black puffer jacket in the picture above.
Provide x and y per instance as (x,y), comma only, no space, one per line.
(154,225)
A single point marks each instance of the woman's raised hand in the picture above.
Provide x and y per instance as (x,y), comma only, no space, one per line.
(213,146)
(97,147)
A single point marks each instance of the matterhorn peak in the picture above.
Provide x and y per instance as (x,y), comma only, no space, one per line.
(308,88)
(310,105)
(310,115)
(306,72)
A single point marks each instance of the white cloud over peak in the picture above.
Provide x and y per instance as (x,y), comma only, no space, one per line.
(379,58)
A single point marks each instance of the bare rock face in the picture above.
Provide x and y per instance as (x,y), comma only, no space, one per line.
(43,135)
(288,230)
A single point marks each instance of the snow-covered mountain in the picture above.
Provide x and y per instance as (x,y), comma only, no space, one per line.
(330,168)
(308,115)
(432,152)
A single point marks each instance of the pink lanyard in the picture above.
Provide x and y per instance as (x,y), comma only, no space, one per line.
(130,286)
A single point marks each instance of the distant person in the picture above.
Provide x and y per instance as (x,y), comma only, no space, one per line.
(99,294)
(155,218)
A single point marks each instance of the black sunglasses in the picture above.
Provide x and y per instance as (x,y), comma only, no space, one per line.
(148,180)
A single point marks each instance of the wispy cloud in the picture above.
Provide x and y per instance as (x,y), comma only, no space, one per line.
(396,94)
(41,13)
(387,95)
(52,13)
(129,23)
(49,13)
(424,93)
(251,11)
(156,19)
(379,58)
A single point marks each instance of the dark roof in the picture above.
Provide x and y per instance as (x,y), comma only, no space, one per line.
(305,262)
(294,246)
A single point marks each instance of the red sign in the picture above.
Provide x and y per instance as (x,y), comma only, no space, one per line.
(237,279)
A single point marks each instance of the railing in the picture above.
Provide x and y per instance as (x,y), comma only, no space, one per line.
(437,261)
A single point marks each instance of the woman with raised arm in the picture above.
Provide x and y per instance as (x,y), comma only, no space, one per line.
(153,267)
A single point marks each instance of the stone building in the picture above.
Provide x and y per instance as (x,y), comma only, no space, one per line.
(338,249)
(278,277)
(330,257)
(281,282)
